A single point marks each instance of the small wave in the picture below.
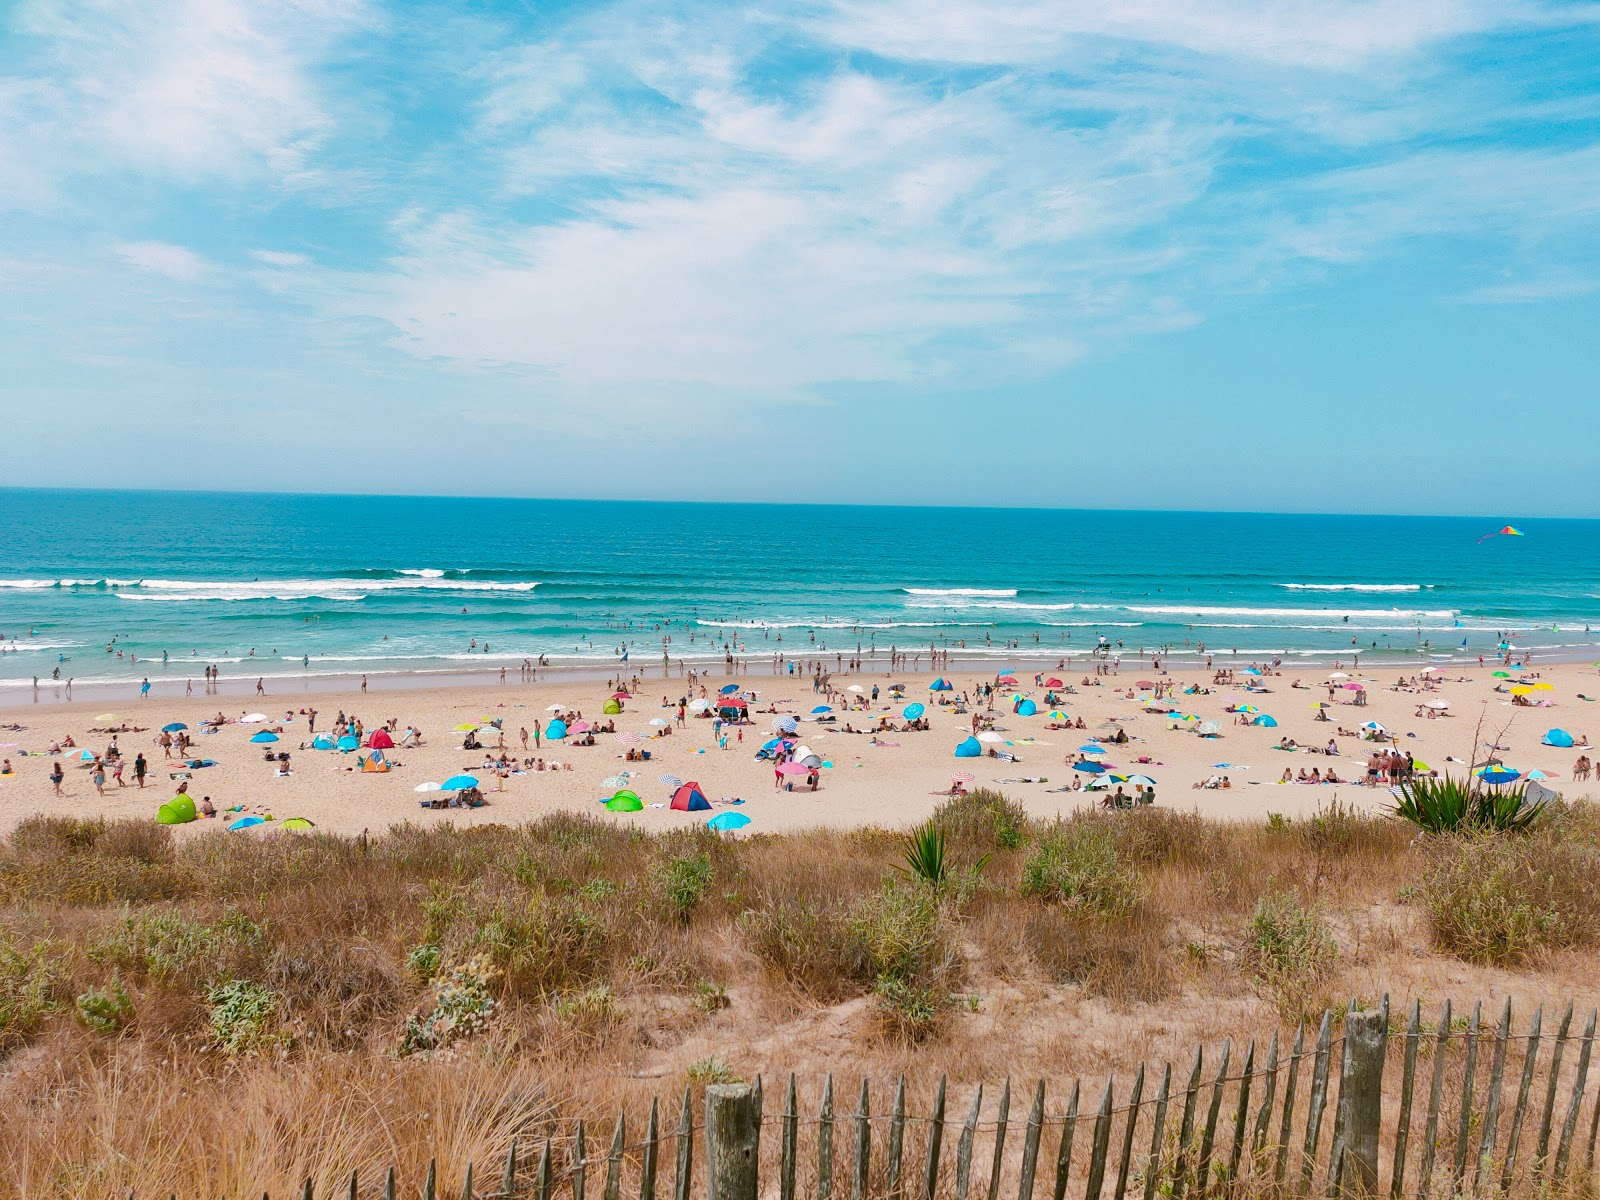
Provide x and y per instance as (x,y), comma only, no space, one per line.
(995,592)
(324,586)
(1008,605)
(1200,611)
(424,572)
(1353,587)
(28,583)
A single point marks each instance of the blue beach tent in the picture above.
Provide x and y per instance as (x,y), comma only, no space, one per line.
(971,748)
(940,684)
(1558,737)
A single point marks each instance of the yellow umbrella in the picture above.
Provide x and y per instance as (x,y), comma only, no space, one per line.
(1544,687)
(109,717)
(1521,691)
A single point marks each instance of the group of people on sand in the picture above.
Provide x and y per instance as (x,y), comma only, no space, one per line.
(1311,776)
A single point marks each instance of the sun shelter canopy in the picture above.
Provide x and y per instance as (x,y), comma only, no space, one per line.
(971,748)
(689,798)
(1558,737)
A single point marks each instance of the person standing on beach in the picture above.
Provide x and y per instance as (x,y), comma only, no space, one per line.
(139,768)
(261,687)
(56,776)
(363,683)
(144,689)
(537,729)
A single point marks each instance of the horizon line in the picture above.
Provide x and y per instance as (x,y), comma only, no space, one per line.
(362,495)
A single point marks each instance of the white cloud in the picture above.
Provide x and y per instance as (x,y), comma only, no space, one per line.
(280,258)
(175,262)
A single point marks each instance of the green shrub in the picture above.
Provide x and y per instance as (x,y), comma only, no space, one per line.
(547,944)
(463,1007)
(29,981)
(166,945)
(1289,951)
(1458,806)
(1504,900)
(985,818)
(105,1010)
(902,933)
(810,946)
(424,960)
(683,882)
(1080,864)
(243,1017)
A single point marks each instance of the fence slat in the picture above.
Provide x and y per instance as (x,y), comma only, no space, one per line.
(1541,1154)
(647,1156)
(1241,1114)
(1285,1127)
(1458,1167)
(1001,1117)
(1152,1172)
(683,1180)
(579,1159)
(1186,1127)
(1491,1111)
(1030,1144)
(388,1184)
(930,1173)
(1101,1144)
(1208,1139)
(466,1183)
(1408,1081)
(613,1188)
(1530,1060)
(862,1166)
(1430,1135)
(1069,1128)
(541,1177)
(969,1131)
(897,1138)
(733,1141)
(1126,1159)
(1318,1100)
(430,1185)
(306,1191)
(1358,1122)
(1264,1114)
(789,1137)
(1570,1125)
(825,1141)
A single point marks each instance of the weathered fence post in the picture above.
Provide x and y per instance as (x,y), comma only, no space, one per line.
(1359,1120)
(733,1141)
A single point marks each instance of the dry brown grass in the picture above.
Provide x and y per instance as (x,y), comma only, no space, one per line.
(618,960)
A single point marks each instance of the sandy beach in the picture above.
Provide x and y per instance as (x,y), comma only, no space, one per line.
(891,779)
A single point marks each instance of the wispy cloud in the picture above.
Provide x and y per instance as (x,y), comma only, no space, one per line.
(175,262)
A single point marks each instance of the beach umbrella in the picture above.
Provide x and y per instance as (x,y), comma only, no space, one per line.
(427,787)
(989,735)
(1249,671)
(1267,721)
(660,722)
(1055,714)
(785,724)
(1144,683)
(459,783)
(1544,687)
(727,822)
(1498,775)
(1430,670)
(1319,704)
(912,711)
(1502,674)
(1354,687)
(672,781)
(108,717)
(174,727)
(1521,690)
(555,708)
(1439,704)
(900,687)
(581,727)
(87,756)
(614,782)
(248,822)
(1089,768)
(855,687)
(627,739)
(730,689)
(1338,675)
(1248,708)
(621,696)
(469,728)
(822,708)
(265,736)
(1140,781)
(1375,726)
(699,706)
(1207,727)
(1092,748)
(793,768)
(963,777)
(253,718)
(348,742)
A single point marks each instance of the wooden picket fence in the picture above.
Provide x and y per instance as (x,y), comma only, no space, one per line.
(1250,1124)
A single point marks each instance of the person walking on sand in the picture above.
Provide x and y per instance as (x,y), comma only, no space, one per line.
(56,776)
(261,687)
(144,689)
(98,777)
(139,768)
(363,683)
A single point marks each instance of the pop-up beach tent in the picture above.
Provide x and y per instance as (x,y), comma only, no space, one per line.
(380,740)
(940,684)
(556,730)
(689,798)
(177,811)
(625,801)
(611,707)
(1558,737)
(1027,708)
(971,748)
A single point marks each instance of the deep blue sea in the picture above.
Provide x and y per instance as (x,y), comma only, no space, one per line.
(333,585)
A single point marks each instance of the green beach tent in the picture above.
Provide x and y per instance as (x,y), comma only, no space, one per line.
(611,707)
(177,811)
(625,801)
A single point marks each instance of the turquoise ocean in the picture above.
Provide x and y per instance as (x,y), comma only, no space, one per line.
(325,586)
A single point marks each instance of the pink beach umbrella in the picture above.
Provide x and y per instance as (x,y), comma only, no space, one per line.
(581,727)
(627,739)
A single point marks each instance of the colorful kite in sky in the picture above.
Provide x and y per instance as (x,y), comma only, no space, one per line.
(1508,531)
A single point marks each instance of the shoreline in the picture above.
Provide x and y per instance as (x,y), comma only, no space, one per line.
(19,694)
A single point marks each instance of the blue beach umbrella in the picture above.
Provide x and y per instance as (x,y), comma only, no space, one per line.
(1091,749)
(727,822)
(458,783)
(730,689)
(1268,721)
(912,711)
(1089,768)
(265,736)
(174,727)
(1499,775)
(247,822)
(822,708)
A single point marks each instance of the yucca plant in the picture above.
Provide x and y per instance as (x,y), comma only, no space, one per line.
(926,858)
(1456,806)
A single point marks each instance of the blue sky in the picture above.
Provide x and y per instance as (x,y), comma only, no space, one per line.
(1222,255)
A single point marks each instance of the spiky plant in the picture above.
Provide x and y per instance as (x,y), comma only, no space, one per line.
(1451,805)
